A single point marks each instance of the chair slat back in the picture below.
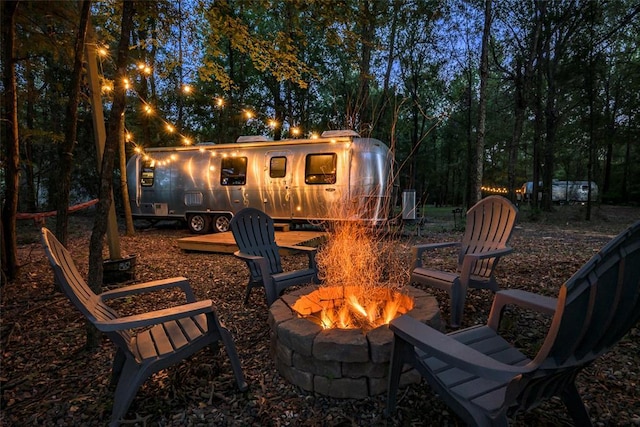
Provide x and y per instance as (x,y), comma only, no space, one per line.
(74,286)
(488,227)
(254,232)
(602,302)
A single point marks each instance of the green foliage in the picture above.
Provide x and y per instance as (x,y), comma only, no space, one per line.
(403,72)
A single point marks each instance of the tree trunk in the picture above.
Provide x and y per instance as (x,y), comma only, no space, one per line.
(476,192)
(106,171)
(10,141)
(124,188)
(29,202)
(367,34)
(65,150)
(522,85)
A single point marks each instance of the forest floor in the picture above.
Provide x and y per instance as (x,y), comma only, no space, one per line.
(48,378)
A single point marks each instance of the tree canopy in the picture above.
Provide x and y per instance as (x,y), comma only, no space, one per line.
(560,102)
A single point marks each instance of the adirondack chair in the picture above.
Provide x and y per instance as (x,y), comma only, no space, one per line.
(254,233)
(168,335)
(485,379)
(488,228)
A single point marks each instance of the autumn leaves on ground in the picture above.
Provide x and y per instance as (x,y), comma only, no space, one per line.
(48,378)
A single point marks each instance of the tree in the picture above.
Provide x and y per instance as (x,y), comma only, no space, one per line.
(478,157)
(114,130)
(65,150)
(10,140)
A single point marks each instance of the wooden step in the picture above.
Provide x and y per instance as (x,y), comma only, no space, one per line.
(282,226)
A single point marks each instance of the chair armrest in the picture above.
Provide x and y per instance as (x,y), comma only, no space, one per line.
(521,298)
(311,253)
(418,250)
(263,266)
(246,257)
(299,248)
(451,351)
(155,317)
(154,285)
(469,261)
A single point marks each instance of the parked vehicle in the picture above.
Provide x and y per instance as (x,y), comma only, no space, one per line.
(563,191)
(336,176)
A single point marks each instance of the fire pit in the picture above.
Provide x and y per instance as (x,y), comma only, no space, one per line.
(351,362)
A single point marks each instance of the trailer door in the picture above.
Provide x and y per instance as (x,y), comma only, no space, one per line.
(276,191)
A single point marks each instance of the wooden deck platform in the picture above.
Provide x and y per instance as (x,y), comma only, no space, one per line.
(225,243)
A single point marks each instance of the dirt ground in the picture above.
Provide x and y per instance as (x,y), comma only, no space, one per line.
(48,378)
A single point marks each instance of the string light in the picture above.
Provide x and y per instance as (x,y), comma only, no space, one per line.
(107,87)
(494,190)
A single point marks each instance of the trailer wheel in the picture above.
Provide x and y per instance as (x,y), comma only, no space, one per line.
(199,223)
(221,223)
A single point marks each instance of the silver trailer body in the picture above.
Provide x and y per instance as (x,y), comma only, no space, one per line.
(337,176)
(565,191)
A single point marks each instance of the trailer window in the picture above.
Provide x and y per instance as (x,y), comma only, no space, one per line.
(320,169)
(234,171)
(278,167)
(147,173)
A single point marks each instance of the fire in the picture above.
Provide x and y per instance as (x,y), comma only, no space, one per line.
(361,271)
(353,307)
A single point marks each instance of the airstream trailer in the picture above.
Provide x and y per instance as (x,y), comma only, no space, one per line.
(336,176)
(564,191)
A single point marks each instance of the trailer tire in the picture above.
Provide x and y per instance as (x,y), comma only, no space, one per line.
(221,223)
(199,223)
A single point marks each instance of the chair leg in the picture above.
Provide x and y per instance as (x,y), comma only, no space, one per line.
(232,354)
(575,405)
(400,352)
(118,364)
(131,378)
(457,297)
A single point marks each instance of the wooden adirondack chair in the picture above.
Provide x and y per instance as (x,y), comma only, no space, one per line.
(484,379)
(254,233)
(169,335)
(489,226)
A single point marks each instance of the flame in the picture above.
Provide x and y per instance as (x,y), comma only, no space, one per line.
(353,300)
(353,307)
(361,273)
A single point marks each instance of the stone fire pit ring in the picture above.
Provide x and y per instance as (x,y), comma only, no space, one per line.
(341,363)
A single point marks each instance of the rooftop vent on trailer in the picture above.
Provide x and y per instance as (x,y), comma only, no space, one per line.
(339,133)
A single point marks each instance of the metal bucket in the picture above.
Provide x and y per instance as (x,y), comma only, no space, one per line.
(408,205)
